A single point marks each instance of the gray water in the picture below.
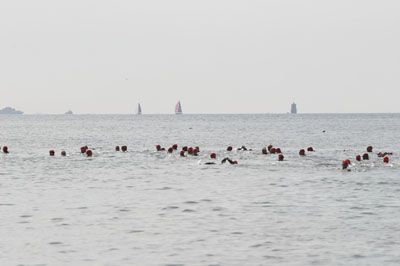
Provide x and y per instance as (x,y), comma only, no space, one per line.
(151,208)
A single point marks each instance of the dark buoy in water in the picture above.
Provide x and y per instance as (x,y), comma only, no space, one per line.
(358,157)
(175,146)
(302,152)
(229,148)
(51,152)
(63,153)
(369,149)
(170,149)
(310,149)
(281,157)
(89,153)
(117,148)
(386,159)
(124,148)
(5,149)
(365,156)
(185,148)
(158,147)
(182,153)
(264,150)
(270,147)
(272,150)
(213,155)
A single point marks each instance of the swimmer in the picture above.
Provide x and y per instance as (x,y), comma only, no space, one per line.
(264,150)
(227,159)
(243,148)
(383,154)
(5,149)
(158,147)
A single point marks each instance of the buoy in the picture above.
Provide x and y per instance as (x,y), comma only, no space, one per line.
(264,150)
(51,152)
(345,164)
(5,149)
(116,148)
(182,153)
(272,150)
(229,148)
(124,148)
(369,149)
(365,156)
(185,148)
(89,153)
(190,150)
(175,146)
(302,152)
(158,147)
(310,149)
(213,155)
(358,157)
(386,159)
(63,153)
(170,149)
(278,150)
(281,157)
(270,147)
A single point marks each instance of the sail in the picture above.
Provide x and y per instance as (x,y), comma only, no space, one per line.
(178,108)
(139,109)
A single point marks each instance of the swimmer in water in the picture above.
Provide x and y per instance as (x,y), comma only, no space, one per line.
(383,154)
(227,159)
(243,148)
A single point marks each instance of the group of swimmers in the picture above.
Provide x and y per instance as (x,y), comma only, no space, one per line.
(194,151)
(346,162)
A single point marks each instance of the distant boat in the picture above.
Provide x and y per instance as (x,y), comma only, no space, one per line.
(139,109)
(69,113)
(10,111)
(293,109)
(178,108)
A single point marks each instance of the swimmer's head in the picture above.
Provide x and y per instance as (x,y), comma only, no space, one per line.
(213,155)
(270,147)
(365,156)
(51,152)
(345,164)
(175,146)
(386,159)
(158,147)
(235,162)
(358,157)
(229,148)
(302,152)
(369,149)
(117,148)
(182,153)
(170,149)
(63,153)
(89,153)
(281,157)
(124,148)
(310,149)
(184,148)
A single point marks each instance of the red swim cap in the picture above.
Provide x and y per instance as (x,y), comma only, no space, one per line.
(213,155)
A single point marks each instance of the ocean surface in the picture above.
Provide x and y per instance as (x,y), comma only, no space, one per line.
(145,207)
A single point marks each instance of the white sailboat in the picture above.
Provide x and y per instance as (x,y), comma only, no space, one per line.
(139,109)
(178,108)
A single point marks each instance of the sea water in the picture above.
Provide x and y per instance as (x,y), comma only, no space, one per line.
(145,207)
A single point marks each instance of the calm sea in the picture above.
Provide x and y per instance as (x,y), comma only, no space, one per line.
(152,208)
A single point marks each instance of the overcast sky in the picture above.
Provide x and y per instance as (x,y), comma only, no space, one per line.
(216,56)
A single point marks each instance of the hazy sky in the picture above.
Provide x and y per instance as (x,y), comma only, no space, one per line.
(216,56)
